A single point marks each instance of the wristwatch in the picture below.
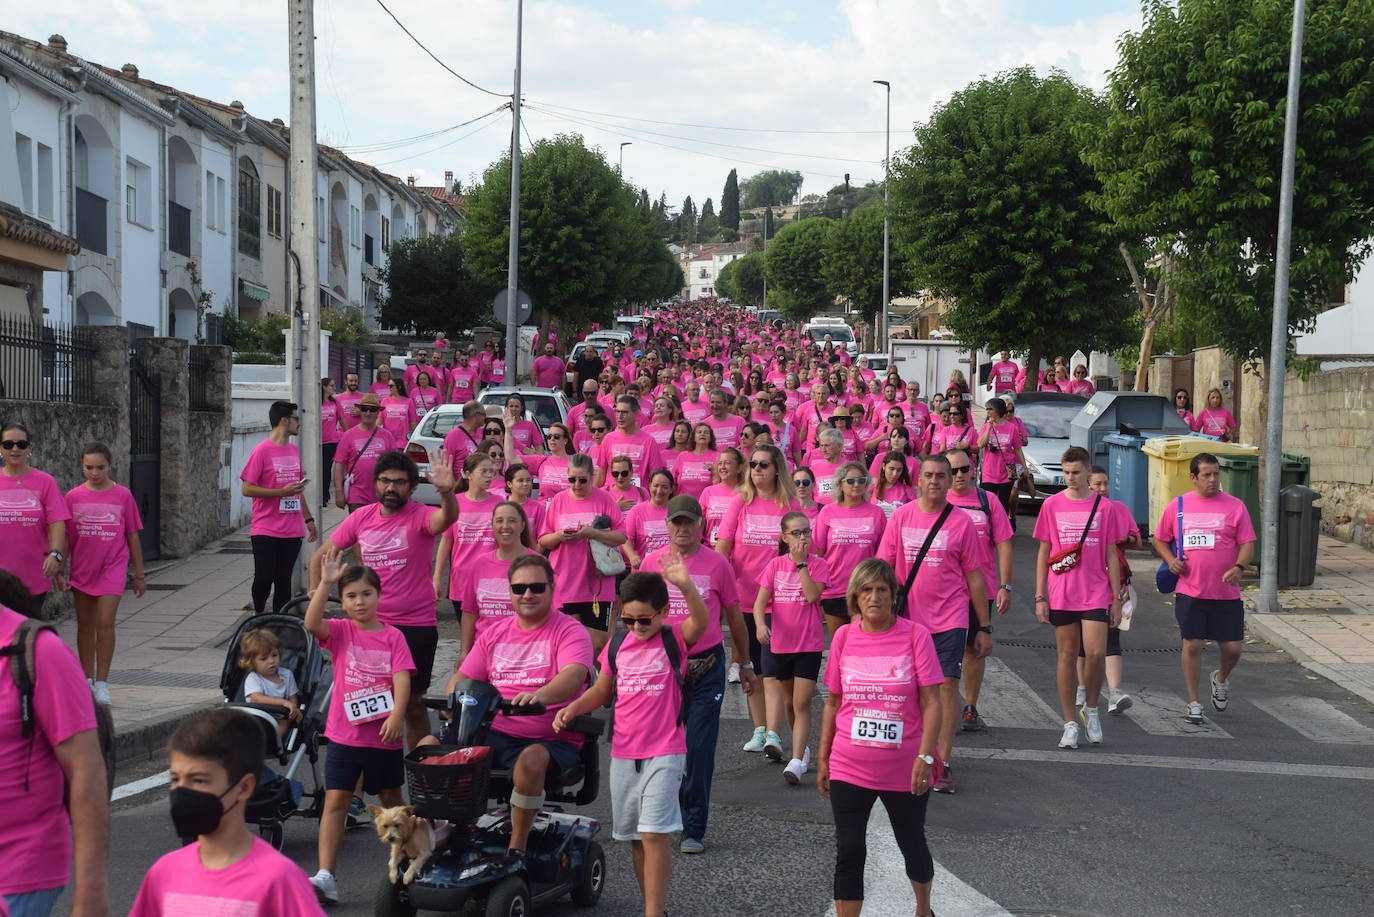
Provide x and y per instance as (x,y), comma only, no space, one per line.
(801,566)
(983,629)
(928,759)
(1006,586)
(55,554)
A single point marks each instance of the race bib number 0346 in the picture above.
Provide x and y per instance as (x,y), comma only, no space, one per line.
(370,705)
(876,729)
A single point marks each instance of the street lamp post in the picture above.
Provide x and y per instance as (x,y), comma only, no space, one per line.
(513,250)
(887,180)
(620,169)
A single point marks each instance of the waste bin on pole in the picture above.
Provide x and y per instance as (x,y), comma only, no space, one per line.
(1128,473)
(1299,524)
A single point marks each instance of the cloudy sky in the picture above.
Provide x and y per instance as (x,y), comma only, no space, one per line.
(696,86)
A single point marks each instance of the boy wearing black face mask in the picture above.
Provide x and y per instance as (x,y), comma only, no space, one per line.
(214,759)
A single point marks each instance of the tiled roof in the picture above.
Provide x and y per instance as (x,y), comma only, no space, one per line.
(15,224)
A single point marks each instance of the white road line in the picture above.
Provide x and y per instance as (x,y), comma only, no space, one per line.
(1161,714)
(887,891)
(1317,720)
(1107,759)
(1008,702)
(141,786)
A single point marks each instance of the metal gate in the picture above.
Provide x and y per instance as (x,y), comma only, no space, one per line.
(145,447)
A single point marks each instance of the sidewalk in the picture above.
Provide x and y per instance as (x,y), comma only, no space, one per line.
(1328,627)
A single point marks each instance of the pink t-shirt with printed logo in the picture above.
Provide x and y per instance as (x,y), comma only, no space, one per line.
(939,596)
(1001,531)
(1213,422)
(516,660)
(553,477)
(345,400)
(472,538)
(1000,452)
(1085,586)
(1003,376)
(463,383)
(646,526)
(661,433)
(360,449)
(548,372)
(576,575)
(755,530)
(486,590)
(847,535)
(877,677)
(263,882)
(647,697)
(28,504)
(99,537)
(364,661)
(1214,528)
(273,466)
(400,547)
(694,412)
(796,623)
(715,581)
(693,471)
(639,447)
(714,501)
(825,477)
(728,431)
(331,422)
(398,416)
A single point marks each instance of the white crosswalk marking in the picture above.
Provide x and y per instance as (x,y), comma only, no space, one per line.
(888,893)
(1161,714)
(1317,720)
(1007,701)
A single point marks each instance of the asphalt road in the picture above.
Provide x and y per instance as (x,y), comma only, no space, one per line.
(1263,811)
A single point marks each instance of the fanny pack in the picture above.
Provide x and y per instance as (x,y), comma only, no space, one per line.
(698,666)
(1065,559)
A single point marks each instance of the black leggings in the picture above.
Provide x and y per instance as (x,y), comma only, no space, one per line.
(851,806)
(274,562)
(327,451)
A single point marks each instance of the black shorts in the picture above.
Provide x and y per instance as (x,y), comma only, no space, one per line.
(595,615)
(786,666)
(838,607)
(380,768)
(973,622)
(949,646)
(751,631)
(1113,641)
(1222,620)
(423,640)
(1074,618)
(563,756)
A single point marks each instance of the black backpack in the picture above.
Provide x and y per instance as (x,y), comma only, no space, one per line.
(21,655)
(674,660)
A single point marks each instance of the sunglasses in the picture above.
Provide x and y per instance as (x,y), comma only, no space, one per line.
(363,410)
(960,469)
(522,588)
(493,431)
(803,482)
(636,622)
(556,436)
(596,430)
(760,464)
(578,480)
(15,444)
(620,474)
(854,482)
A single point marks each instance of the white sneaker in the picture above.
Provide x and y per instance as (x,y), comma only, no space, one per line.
(732,675)
(101,690)
(1070,737)
(1118,702)
(755,743)
(1194,714)
(1092,725)
(772,746)
(1220,692)
(326,887)
(1080,697)
(806,757)
(794,771)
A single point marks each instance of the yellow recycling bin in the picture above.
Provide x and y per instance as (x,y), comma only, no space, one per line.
(1169,459)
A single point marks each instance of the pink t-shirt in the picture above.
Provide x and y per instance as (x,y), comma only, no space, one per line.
(847,535)
(952,436)
(400,547)
(714,501)
(755,530)
(796,623)
(694,412)
(825,477)
(1000,527)
(1085,586)
(34,782)
(1003,376)
(459,443)
(715,581)
(647,697)
(1080,387)
(425,400)
(1214,528)
(28,504)
(893,497)
(526,435)
(728,431)
(939,596)
(516,660)
(576,575)
(996,460)
(639,447)
(646,526)
(1213,422)
(662,433)
(548,372)
(693,471)
(486,590)
(273,466)
(359,449)
(263,882)
(553,477)
(364,661)
(472,538)
(398,416)
(878,677)
(463,384)
(345,401)
(98,533)
(331,421)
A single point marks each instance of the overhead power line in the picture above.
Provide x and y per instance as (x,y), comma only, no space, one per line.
(499,95)
(708,127)
(489,123)
(383,146)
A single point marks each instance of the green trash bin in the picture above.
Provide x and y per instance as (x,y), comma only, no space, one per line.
(1297,469)
(1240,478)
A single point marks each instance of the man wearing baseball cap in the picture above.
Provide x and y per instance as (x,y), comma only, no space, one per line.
(715,580)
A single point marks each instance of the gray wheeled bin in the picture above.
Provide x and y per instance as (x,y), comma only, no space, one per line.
(1133,413)
(1299,523)
(1128,472)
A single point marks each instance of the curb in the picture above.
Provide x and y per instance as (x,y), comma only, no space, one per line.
(1319,668)
(146,741)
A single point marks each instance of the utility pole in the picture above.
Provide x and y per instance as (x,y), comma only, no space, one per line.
(513,259)
(620,169)
(1278,343)
(305,324)
(882,341)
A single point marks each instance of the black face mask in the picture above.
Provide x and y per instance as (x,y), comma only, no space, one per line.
(196,812)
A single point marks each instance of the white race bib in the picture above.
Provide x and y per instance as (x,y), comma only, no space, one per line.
(876,729)
(289,505)
(1199,540)
(369,705)
(634,479)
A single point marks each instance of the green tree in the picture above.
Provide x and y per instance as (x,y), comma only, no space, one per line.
(729,207)
(853,262)
(708,225)
(748,278)
(1189,155)
(770,188)
(793,267)
(430,286)
(990,209)
(687,221)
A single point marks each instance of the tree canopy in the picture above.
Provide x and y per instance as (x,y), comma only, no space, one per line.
(729,206)
(770,188)
(741,280)
(853,262)
(430,287)
(792,264)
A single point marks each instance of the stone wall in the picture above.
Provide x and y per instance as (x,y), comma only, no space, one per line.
(1328,417)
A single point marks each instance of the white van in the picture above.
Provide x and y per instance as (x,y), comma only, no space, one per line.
(837,328)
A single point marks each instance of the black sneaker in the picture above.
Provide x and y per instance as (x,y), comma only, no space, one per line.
(972,721)
(357,814)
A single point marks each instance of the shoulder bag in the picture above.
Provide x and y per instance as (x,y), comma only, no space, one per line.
(899,604)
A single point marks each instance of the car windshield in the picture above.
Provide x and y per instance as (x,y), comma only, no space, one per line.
(1048,419)
(544,407)
(838,333)
(439,423)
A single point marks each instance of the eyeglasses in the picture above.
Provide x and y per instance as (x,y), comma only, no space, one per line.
(637,622)
(620,474)
(760,464)
(1081,374)
(15,444)
(854,482)
(578,480)
(798,532)
(522,588)
(393,482)
(556,436)
(366,410)
(803,482)
(960,469)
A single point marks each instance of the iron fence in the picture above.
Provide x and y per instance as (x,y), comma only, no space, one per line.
(349,358)
(199,365)
(46,362)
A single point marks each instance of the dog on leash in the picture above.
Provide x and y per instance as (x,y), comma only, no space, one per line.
(411,838)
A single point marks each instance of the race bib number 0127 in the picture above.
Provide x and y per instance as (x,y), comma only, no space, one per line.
(876,729)
(370,705)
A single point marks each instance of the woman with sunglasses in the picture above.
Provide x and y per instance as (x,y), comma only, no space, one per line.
(485,593)
(470,536)
(646,524)
(519,490)
(804,483)
(1079,384)
(620,483)
(1183,405)
(957,433)
(747,538)
(1000,444)
(398,411)
(878,740)
(892,419)
(597,424)
(693,469)
(846,532)
(679,442)
(552,469)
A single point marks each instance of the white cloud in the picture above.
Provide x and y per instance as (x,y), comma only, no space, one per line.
(375,85)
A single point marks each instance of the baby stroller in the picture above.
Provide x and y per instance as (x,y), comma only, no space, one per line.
(279,794)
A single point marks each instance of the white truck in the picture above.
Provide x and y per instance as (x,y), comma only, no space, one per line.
(929,363)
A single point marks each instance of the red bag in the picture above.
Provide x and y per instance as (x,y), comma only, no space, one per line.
(461,756)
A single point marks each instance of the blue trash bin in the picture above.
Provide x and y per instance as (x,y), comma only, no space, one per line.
(1128,471)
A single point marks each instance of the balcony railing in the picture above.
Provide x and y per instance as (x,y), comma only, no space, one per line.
(91,227)
(179,228)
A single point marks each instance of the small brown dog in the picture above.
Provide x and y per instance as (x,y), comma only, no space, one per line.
(411,838)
